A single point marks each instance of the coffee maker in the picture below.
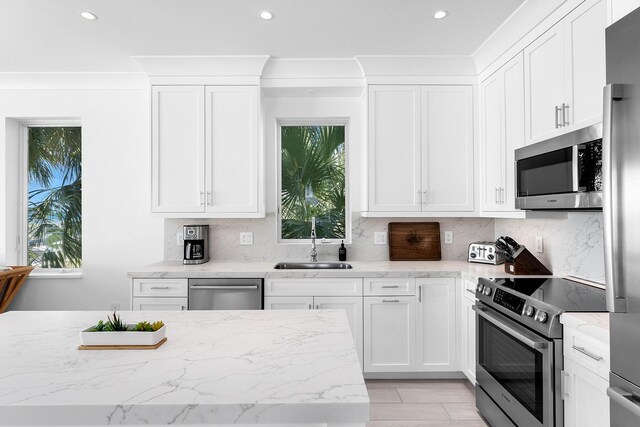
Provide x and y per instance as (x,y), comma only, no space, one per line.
(196,244)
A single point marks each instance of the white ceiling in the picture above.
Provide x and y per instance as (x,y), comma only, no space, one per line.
(49,35)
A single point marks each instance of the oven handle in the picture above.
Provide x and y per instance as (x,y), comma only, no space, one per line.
(523,336)
(224,287)
(624,399)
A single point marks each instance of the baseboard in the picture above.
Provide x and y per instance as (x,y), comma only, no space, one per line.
(454,375)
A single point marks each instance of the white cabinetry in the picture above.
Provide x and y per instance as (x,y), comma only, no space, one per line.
(469,331)
(159,294)
(585,380)
(415,134)
(320,294)
(565,73)
(436,325)
(206,151)
(620,8)
(502,115)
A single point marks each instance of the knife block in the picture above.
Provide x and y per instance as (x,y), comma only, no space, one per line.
(525,263)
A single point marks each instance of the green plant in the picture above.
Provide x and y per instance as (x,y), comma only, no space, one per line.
(99,327)
(143,326)
(115,324)
(157,325)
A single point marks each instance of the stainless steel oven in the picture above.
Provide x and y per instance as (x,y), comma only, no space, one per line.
(515,367)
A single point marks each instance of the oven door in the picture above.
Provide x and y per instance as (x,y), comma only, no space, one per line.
(515,368)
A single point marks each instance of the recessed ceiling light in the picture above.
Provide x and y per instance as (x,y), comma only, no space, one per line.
(440,14)
(266,15)
(88,15)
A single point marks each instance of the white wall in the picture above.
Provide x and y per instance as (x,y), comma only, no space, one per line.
(118,231)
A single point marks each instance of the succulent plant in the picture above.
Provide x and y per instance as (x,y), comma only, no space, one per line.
(99,327)
(144,326)
(115,324)
(157,325)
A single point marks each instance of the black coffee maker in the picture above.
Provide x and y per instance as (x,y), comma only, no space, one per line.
(196,244)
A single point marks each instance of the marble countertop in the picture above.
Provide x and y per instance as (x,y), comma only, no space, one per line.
(231,367)
(595,325)
(252,269)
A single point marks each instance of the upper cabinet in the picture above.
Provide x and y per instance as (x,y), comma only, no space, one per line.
(620,8)
(420,150)
(206,151)
(565,73)
(502,127)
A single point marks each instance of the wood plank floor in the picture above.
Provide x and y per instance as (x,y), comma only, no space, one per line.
(413,403)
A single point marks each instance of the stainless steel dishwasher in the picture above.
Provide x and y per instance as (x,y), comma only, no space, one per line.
(225,294)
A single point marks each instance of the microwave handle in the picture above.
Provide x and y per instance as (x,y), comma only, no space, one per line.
(616,302)
(523,336)
(575,178)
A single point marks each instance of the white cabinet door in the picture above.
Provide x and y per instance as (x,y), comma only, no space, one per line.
(585,62)
(288,303)
(544,75)
(394,148)
(160,304)
(468,340)
(620,8)
(447,148)
(586,403)
(232,149)
(178,149)
(436,325)
(389,334)
(514,125)
(492,141)
(353,308)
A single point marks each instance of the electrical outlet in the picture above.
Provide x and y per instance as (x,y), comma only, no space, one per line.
(114,306)
(246,238)
(179,238)
(539,245)
(380,238)
(448,237)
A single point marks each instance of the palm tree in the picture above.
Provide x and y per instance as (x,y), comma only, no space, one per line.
(313,181)
(55,197)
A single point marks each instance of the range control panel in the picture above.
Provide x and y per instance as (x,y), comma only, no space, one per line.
(485,253)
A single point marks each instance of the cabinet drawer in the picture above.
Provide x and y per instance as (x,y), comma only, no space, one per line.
(313,287)
(469,289)
(160,287)
(587,351)
(388,286)
(159,304)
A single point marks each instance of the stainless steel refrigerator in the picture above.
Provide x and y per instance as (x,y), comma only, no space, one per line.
(621,207)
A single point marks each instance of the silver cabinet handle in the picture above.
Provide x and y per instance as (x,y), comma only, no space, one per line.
(182,307)
(615,301)
(390,300)
(159,287)
(563,385)
(471,292)
(420,293)
(524,336)
(502,195)
(565,114)
(424,198)
(558,110)
(223,287)
(209,198)
(587,353)
(624,399)
(497,196)
(317,306)
(390,286)
(310,307)
(202,198)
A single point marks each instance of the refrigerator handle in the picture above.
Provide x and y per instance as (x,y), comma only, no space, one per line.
(624,399)
(615,301)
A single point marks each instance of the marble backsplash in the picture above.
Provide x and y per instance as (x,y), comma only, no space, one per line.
(225,239)
(572,246)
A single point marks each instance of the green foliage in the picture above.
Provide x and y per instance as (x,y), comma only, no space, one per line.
(313,181)
(55,212)
(144,326)
(157,325)
(115,324)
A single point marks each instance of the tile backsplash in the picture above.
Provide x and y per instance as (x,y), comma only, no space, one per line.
(572,246)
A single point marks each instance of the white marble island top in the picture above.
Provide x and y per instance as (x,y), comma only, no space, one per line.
(217,367)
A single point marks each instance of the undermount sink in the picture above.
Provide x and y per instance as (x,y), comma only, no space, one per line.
(312,266)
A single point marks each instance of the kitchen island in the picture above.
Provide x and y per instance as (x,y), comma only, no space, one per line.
(216,368)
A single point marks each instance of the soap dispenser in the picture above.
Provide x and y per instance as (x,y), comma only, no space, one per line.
(342,252)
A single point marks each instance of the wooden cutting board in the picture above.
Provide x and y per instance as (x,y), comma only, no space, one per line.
(414,241)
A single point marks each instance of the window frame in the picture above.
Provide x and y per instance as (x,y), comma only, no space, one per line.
(321,121)
(23,205)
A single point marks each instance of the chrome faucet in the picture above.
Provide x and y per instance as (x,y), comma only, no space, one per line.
(314,253)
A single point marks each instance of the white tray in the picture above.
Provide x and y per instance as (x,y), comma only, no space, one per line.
(122,338)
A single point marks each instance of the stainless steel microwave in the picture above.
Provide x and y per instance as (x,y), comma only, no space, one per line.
(562,173)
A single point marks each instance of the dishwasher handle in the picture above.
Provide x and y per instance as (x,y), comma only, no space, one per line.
(223,287)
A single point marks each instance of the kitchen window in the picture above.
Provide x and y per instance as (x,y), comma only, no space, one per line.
(312,165)
(52,192)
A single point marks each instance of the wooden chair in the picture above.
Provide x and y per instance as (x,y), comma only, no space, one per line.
(10,283)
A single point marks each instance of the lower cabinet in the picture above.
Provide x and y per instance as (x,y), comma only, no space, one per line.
(468,323)
(390,334)
(159,294)
(585,397)
(159,304)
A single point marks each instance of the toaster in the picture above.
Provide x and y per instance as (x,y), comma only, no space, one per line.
(485,253)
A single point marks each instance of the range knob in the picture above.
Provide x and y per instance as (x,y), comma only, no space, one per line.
(529,310)
(479,288)
(541,316)
(487,291)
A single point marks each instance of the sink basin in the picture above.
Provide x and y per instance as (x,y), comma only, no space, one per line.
(312,266)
